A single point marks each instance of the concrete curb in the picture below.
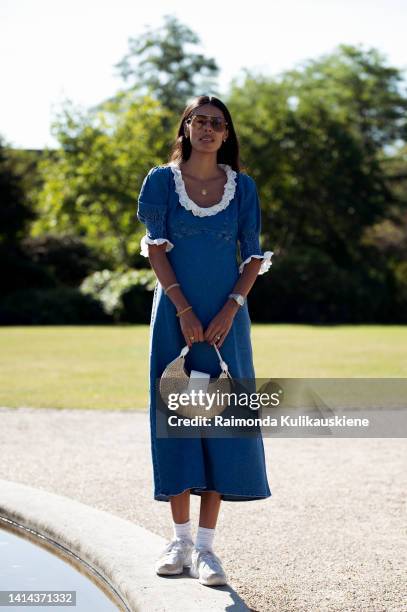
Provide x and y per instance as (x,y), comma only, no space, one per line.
(122,552)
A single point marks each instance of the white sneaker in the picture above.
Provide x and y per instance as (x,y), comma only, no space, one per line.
(206,566)
(175,556)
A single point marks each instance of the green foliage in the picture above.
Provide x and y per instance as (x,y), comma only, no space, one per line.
(110,288)
(91,188)
(159,62)
(67,257)
(359,90)
(24,164)
(58,306)
(15,214)
(319,141)
(18,270)
(313,139)
(308,286)
(400,275)
(325,142)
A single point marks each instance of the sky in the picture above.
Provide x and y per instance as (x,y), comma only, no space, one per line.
(53,50)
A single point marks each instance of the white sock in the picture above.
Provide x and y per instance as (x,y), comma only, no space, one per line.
(183,531)
(204,538)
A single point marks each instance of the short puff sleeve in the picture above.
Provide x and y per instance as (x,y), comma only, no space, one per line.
(152,209)
(250,225)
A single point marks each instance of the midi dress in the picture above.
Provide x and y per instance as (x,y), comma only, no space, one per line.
(203,245)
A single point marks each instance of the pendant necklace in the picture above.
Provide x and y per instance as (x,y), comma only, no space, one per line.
(204,190)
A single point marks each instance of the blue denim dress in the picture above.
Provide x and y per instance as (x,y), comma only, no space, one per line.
(202,247)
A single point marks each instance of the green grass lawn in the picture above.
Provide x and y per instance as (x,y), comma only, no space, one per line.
(107,366)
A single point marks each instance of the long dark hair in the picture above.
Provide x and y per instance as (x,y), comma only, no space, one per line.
(228,153)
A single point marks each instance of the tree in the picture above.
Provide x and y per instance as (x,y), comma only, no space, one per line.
(15,214)
(360,91)
(159,62)
(91,183)
(314,139)
(319,141)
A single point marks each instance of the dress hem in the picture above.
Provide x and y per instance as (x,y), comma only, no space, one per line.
(224,496)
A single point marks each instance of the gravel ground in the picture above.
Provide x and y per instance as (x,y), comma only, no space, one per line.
(331,537)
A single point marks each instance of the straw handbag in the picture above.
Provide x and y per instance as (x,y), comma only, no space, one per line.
(175,380)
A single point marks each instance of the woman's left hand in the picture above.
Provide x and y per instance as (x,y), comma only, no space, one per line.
(221,324)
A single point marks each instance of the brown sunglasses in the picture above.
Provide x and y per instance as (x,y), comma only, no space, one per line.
(198,121)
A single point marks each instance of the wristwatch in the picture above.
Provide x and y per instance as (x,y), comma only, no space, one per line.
(238,298)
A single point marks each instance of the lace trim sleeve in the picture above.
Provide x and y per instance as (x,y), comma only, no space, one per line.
(265,265)
(145,241)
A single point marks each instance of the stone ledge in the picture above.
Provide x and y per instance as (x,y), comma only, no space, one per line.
(122,552)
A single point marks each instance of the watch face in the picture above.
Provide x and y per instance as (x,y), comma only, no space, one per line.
(240,299)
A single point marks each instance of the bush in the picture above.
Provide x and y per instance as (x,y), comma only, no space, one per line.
(18,270)
(400,278)
(66,258)
(59,306)
(125,295)
(307,286)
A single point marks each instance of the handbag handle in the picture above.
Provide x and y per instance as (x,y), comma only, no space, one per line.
(223,364)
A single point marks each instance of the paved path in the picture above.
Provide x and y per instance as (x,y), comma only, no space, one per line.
(331,537)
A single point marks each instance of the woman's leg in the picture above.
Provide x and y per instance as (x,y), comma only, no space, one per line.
(177,553)
(210,505)
(180,507)
(209,510)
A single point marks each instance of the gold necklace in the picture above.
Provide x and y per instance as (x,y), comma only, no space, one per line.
(204,190)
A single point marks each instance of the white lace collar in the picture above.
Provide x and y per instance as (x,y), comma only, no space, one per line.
(200,211)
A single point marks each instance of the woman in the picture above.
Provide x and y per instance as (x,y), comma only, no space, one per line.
(196,209)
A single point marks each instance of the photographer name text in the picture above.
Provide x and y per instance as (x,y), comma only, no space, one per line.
(267,421)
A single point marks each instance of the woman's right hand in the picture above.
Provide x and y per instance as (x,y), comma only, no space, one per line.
(191,326)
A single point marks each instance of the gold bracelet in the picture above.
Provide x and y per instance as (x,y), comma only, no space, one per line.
(170,287)
(182,311)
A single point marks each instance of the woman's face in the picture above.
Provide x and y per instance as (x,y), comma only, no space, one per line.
(203,135)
